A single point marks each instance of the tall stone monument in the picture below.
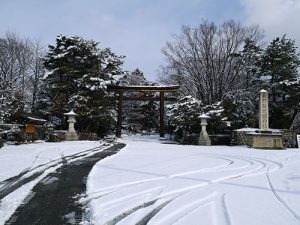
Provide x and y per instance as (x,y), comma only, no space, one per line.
(264,138)
(204,139)
(71,135)
(263,111)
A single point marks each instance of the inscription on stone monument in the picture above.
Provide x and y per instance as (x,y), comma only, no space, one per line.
(263,110)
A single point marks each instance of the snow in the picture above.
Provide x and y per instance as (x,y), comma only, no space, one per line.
(292,82)
(176,184)
(250,129)
(17,158)
(36,119)
(152,182)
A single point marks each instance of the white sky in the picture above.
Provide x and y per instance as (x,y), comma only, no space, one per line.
(139,29)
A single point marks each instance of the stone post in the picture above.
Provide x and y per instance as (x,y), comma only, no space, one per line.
(71,135)
(204,138)
(263,110)
(264,138)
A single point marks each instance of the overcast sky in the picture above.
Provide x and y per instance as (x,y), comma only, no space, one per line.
(139,29)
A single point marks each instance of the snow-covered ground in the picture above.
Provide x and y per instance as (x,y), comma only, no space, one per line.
(17,158)
(153,183)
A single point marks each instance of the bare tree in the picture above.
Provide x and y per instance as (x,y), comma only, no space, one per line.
(14,60)
(35,74)
(203,60)
(20,73)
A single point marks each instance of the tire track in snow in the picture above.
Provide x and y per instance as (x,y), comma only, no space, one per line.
(146,219)
(123,198)
(251,166)
(258,169)
(175,215)
(144,205)
(98,193)
(207,169)
(280,200)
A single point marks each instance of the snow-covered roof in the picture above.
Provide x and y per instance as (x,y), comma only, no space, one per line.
(37,119)
(29,118)
(263,91)
(204,116)
(249,129)
(71,113)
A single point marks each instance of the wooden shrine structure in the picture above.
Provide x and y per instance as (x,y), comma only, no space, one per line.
(143,89)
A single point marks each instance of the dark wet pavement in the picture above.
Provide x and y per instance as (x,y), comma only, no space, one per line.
(53,200)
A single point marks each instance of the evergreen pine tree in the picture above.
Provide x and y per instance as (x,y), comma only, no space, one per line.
(240,105)
(279,67)
(140,115)
(77,75)
(67,63)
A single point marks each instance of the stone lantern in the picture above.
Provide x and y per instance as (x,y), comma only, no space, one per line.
(71,135)
(204,138)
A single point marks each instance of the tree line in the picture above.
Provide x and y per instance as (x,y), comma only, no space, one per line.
(71,74)
(21,70)
(220,69)
(224,67)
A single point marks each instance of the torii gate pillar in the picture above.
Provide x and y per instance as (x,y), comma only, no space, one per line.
(161,115)
(119,119)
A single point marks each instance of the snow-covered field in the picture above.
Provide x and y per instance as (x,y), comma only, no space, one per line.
(153,183)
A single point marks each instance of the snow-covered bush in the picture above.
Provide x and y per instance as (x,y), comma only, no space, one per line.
(241,108)
(13,134)
(216,124)
(183,117)
(184,113)
(184,121)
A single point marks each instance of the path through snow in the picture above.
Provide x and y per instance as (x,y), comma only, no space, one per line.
(23,167)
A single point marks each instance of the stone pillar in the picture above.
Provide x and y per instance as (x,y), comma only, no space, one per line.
(263,110)
(264,138)
(71,135)
(204,138)
(119,120)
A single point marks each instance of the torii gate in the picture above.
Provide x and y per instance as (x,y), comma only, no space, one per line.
(161,89)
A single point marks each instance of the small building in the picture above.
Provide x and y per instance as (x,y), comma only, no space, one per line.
(30,123)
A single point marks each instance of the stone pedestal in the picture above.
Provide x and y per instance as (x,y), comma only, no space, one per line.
(264,138)
(1,142)
(71,135)
(204,139)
